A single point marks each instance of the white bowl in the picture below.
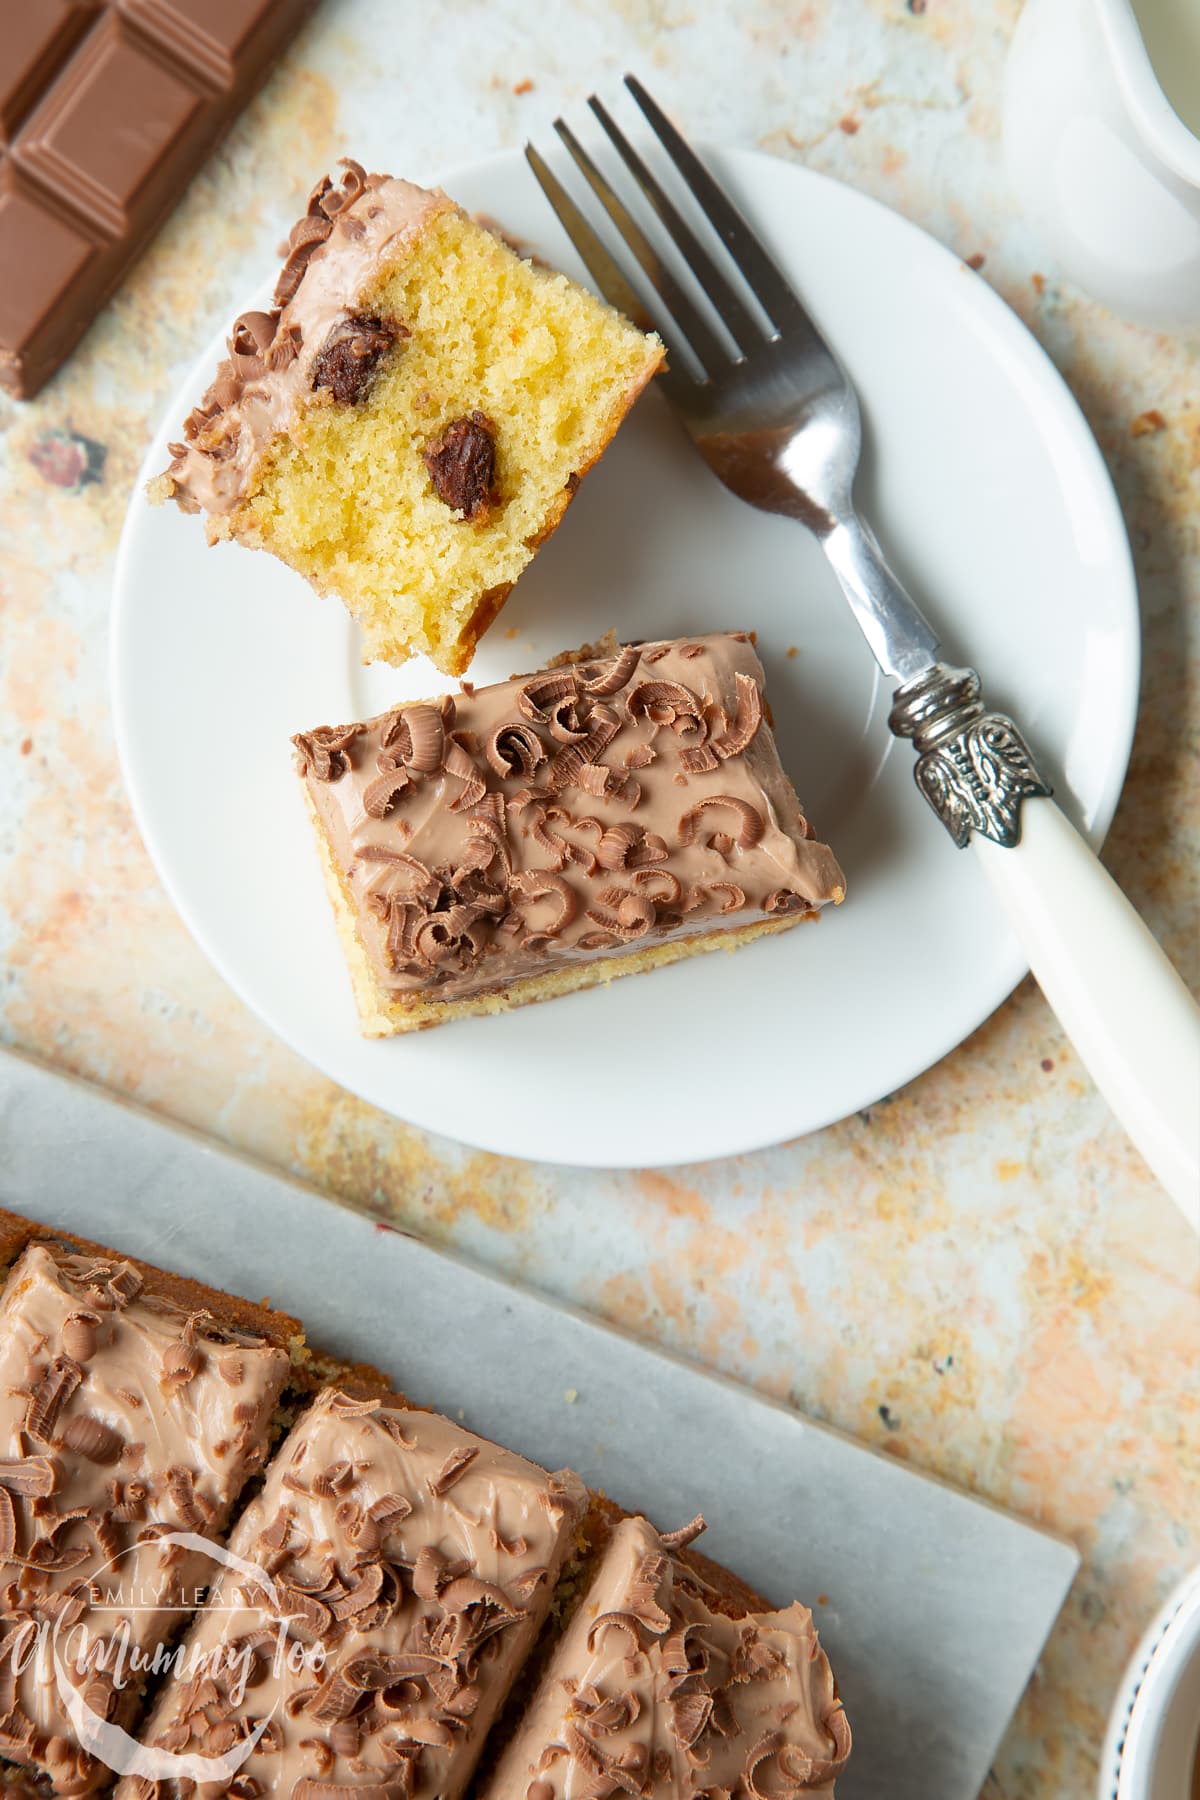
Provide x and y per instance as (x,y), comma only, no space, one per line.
(1151,1746)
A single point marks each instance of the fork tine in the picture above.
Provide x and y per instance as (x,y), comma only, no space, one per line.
(680,388)
(735,315)
(767,281)
(710,352)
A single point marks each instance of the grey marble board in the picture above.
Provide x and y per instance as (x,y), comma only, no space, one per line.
(937,1605)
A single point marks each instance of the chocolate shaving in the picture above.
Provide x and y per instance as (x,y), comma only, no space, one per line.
(669,703)
(602,729)
(538,695)
(698,762)
(418,736)
(737,895)
(306,236)
(364,1593)
(784,902)
(514,750)
(182,1362)
(687,1534)
(49,1396)
(737,737)
(615,1621)
(389,1510)
(322,753)
(180,1487)
(673,892)
(750,822)
(33,1477)
(616,844)
(643,1593)
(535,883)
(455,1466)
(462,467)
(457,762)
(8,1533)
(125,1284)
(352,355)
(79,1336)
(335,1479)
(614,675)
(381,794)
(690,1714)
(91,1438)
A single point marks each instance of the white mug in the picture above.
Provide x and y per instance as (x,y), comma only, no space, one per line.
(1104,165)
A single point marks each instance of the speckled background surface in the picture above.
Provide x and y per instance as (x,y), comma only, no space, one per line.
(977,1274)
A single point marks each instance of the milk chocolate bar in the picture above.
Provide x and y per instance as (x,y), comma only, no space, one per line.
(106,113)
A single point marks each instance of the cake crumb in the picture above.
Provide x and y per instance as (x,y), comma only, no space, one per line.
(822,1599)
(1039,283)
(1147,422)
(793,650)
(26,746)
(523,87)
(570,1395)
(848,124)
(511,632)
(977,261)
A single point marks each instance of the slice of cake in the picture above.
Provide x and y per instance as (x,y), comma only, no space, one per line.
(133,1408)
(664,1685)
(410,420)
(556,830)
(395,1570)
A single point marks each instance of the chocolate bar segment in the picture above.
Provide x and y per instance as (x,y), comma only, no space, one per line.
(391,1578)
(38,39)
(106,113)
(75,143)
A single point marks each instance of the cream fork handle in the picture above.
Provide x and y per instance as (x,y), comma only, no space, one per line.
(1120,1001)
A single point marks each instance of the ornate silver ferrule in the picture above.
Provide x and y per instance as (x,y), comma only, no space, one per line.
(973,766)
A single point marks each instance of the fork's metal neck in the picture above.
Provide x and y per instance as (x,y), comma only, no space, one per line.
(902,640)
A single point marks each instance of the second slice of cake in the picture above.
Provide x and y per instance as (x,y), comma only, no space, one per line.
(559,829)
(394,1572)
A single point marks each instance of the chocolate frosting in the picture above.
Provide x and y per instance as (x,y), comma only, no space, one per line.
(593,808)
(281,361)
(655,1692)
(122,1418)
(414,1562)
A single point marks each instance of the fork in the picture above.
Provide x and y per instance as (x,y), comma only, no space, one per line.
(778,421)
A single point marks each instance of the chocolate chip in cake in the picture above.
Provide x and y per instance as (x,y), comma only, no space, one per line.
(350,357)
(462,466)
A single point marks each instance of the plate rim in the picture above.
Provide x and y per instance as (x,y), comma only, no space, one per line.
(1011,968)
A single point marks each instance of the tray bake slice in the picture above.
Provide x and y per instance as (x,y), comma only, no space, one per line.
(395,1572)
(134,1406)
(545,834)
(672,1681)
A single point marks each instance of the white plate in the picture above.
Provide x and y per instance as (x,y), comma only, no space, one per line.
(987,487)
